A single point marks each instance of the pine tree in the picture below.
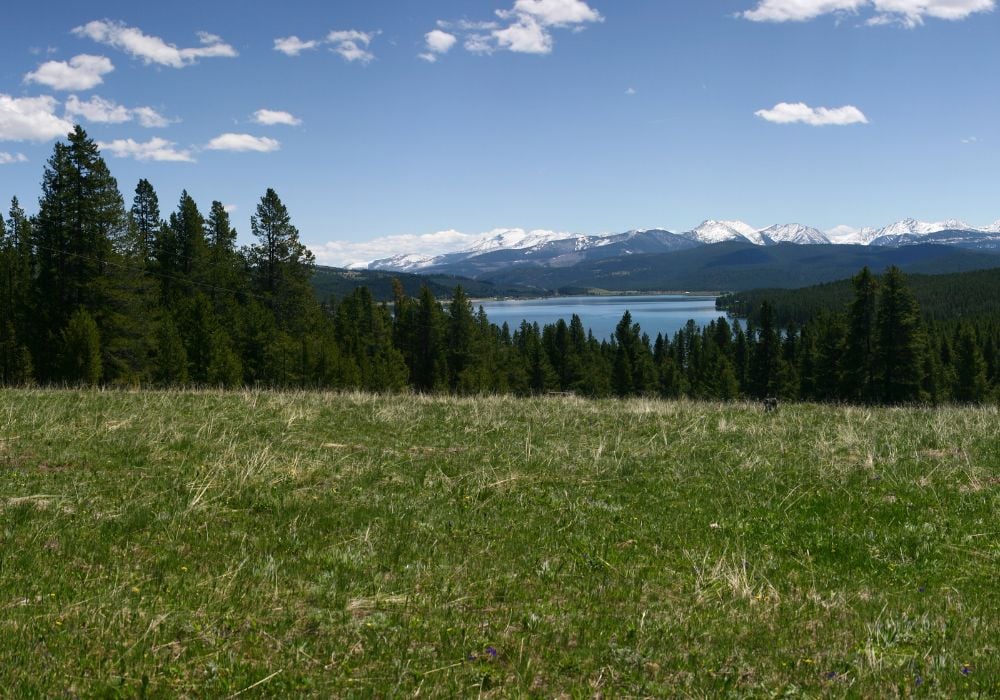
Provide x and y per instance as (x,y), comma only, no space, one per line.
(81,227)
(171,367)
(970,381)
(144,218)
(281,264)
(428,367)
(860,346)
(765,357)
(81,350)
(900,344)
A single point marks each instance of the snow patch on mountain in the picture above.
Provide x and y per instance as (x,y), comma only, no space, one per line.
(793,233)
(712,231)
(515,239)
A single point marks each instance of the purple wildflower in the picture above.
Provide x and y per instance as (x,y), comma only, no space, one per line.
(492,652)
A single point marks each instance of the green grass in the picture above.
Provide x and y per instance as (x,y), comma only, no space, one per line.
(305,544)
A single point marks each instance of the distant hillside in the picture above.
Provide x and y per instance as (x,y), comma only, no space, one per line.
(742,266)
(337,282)
(941,297)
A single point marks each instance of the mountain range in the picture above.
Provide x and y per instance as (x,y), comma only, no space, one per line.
(515,248)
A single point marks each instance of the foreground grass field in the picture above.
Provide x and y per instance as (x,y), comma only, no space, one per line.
(262,544)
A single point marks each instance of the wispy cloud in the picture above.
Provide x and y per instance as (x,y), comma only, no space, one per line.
(31,119)
(150,118)
(271,117)
(81,72)
(801,113)
(243,143)
(293,46)
(347,253)
(525,28)
(153,49)
(908,13)
(352,44)
(101,111)
(156,149)
(9,158)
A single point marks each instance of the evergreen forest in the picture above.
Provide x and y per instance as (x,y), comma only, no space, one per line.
(97,292)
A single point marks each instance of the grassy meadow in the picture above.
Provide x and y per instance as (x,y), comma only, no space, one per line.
(264,544)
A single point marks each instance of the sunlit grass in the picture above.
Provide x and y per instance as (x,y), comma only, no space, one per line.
(347,544)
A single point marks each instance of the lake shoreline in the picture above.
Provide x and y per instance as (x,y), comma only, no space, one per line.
(601,314)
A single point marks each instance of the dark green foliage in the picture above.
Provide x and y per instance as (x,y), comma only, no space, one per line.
(280,265)
(898,357)
(330,282)
(859,348)
(81,350)
(971,383)
(145,222)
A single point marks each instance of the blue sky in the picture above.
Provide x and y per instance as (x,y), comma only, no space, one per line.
(587,116)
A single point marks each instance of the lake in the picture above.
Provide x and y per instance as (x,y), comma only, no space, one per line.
(662,313)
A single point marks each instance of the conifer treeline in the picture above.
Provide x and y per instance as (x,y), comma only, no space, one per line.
(94,293)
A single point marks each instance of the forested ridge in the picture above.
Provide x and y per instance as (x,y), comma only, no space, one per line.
(947,297)
(97,293)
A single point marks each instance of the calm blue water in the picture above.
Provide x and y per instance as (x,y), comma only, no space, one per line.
(655,314)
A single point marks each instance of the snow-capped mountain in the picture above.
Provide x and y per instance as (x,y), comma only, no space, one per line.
(510,248)
(712,231)
(516,239)
(793,233)
(401,263)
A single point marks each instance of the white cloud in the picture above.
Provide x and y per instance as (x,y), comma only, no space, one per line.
(150,118)
(479,43)
(8,158)
(909,13)
(360,253)
(842,233)
(801,113)
(270,117)
(155,149)
(243,142)
(631,91)
(31,119)
(524,36)
(526,27)
(555,13)
(79,73)
(101,111)
(230,208)
(352,45)
(438,43)
(153,49)
(98,110)
(346,253)
(293,46)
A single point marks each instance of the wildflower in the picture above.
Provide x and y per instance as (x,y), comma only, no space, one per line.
(830,675)
(919,680)
(966,669)
(184,569)
(492,652)
(135,589)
